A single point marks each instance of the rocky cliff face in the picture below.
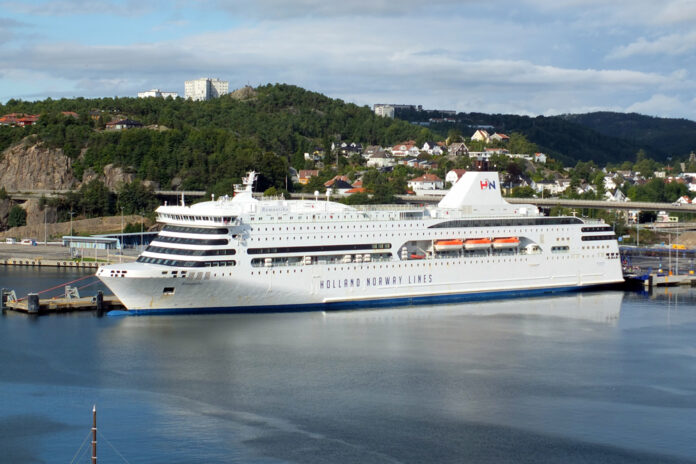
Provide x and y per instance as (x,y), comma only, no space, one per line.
(27,166)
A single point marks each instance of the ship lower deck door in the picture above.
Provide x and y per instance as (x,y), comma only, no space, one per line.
(316,283)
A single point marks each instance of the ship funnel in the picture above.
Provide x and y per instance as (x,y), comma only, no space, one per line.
(474,188)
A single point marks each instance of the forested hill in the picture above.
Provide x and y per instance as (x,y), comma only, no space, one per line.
(600,137)
(663,136)
(203,145)
(210,145)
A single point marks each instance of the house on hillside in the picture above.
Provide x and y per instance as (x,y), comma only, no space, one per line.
(540,158)
(458,149)
(123,124)
(306,174)
(19,119)
(609,183)
(371,150)
(408,148)
(426,182)
(685,200)
(617,196)
(547,185)
(481,136)
(339,184)
(499,137)
(380,159)
(432,148)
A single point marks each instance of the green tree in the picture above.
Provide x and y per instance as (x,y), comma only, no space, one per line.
(17,217)
(96,200)
(135,198)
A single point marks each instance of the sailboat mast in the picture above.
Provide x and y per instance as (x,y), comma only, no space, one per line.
(94,434)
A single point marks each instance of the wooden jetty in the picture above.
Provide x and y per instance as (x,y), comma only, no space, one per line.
(72,301)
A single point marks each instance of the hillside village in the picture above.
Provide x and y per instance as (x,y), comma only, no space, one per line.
(435,166)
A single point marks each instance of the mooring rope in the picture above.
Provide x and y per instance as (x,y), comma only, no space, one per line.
(58,286)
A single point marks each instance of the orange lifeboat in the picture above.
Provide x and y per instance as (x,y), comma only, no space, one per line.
(417,256)
(448,245)
(505,243)
(477,244)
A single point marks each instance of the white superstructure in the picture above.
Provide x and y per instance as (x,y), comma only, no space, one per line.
(246,254)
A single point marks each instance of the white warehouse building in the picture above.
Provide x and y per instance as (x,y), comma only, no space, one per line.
(205,88)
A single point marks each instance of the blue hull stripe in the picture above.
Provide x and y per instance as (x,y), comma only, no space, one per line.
(376,303)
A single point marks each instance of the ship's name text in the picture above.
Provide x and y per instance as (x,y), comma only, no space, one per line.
(368,282)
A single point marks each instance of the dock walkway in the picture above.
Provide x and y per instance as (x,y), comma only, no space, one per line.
(32,304)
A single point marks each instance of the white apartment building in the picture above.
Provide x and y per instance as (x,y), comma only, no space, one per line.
(386,111)
(157,93)
(205,88)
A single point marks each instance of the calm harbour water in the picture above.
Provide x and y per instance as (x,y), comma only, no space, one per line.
(601,377)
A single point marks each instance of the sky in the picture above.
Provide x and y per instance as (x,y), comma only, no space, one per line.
(527,57)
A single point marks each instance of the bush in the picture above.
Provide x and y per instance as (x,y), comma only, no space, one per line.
(18,217)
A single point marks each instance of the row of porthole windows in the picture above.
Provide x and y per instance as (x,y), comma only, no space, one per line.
(410,226)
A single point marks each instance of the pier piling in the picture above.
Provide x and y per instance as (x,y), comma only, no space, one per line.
(33,303)
(99,300)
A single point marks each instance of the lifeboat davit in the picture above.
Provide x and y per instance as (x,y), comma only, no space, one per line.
(448,245)
(477,244)
(507,242)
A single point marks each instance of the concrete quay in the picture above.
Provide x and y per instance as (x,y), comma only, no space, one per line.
(54,255)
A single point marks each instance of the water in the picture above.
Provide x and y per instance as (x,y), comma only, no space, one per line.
(584,378)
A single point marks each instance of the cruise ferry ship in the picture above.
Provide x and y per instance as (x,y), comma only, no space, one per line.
(248,254)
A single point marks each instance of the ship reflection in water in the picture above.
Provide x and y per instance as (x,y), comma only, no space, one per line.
(586,377)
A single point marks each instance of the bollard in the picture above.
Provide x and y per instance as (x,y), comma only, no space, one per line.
(33,303)
(100,301)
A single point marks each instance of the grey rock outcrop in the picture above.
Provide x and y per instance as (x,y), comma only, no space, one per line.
(27,166)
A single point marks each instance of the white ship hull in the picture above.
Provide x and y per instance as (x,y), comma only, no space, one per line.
(362,285)
(279,256)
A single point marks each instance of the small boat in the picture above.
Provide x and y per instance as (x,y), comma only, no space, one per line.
(477,244)
(505,243)
(448,245)
(417,256)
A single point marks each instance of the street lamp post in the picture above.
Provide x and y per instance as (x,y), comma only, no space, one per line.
(142,221)
(120,258)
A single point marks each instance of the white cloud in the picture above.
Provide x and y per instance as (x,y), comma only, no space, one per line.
(672,44)
(663,106)
(335,8)
(367,52)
